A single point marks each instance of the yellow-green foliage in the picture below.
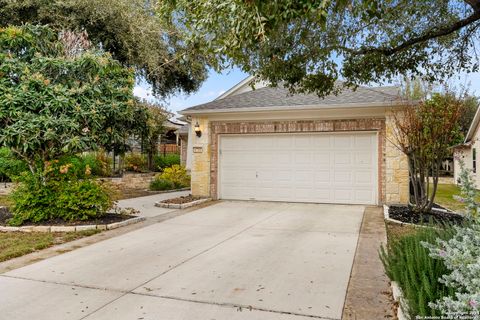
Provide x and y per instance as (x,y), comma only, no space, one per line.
(176,174)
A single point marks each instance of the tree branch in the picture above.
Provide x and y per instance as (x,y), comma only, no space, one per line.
(475,4)
(433,33)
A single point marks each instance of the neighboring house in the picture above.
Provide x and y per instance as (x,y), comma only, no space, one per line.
(468,152)
(266,144)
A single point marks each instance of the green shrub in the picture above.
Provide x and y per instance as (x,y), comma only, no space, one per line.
(10,167)
(61,195)
(161,184)
(103,166)
(176,174)
(166,161)
(135,162)
(409,263)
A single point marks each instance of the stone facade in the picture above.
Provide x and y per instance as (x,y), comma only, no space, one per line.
(132,180)
(183,150)
(200,170)
(392,164)
(396,166)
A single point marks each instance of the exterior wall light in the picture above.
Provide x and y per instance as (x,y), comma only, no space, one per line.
(198,132)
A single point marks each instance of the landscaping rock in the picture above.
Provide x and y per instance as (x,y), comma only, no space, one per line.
(84,228)
(62,229)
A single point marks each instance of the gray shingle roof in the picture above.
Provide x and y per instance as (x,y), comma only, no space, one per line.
(280,96)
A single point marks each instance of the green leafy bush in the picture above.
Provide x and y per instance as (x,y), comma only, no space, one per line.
(10,167)
(63,196)
(136,162)
(409,263)
(176,174)
(174,177)
(94,164)
(161,184)
(162,162)
(103,164)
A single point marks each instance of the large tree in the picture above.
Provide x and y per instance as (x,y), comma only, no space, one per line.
(128,29)
(309,44)
(60,96)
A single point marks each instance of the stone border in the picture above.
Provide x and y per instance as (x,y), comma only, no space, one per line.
(85,227)
(402,303)
(182,205)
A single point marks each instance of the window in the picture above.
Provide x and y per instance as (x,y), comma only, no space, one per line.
(474,160)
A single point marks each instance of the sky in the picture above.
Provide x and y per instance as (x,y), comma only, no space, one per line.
(218,83)
(215,85)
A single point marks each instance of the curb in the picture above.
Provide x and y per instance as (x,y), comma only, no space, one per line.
(402,303)
(183,205)
(85,227)
(154,192)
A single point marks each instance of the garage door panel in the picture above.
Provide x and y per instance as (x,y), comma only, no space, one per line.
(342,158)
(362,141)
(343,178)
(364,196)
(321,158)
(326,168)
(363,159)
(302,142)
(303,158)
(322,177)
(364,178)
(322,141)
(342,142)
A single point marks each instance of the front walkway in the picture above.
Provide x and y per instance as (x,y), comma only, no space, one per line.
(230,260)
(146,205)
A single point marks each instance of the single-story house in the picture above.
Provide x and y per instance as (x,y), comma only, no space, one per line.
(264,143)
(468,151)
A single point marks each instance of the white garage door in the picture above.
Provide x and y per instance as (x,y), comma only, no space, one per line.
(322,168)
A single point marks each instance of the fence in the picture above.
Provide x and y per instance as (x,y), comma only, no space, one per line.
(168,148)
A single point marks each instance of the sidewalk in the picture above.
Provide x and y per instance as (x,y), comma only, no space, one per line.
(368,294)
(146,205)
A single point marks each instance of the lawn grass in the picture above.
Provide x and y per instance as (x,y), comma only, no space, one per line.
(444,197)
(16,244)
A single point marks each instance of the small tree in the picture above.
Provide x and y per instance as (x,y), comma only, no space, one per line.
(424,132)
(153,119)
(59,96)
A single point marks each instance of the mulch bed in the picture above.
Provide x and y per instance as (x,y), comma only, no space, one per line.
(406,214)
(182,199)
(106,219)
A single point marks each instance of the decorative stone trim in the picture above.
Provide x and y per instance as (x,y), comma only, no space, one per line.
(298,126)
(183,205)
(402,303)
(109,226)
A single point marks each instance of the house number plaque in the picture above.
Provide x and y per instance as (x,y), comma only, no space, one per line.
(197,149)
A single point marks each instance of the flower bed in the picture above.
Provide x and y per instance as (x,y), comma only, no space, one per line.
(181,202)
(404,214)
(107,222)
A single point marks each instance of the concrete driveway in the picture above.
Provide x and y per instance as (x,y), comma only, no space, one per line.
(231,260)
